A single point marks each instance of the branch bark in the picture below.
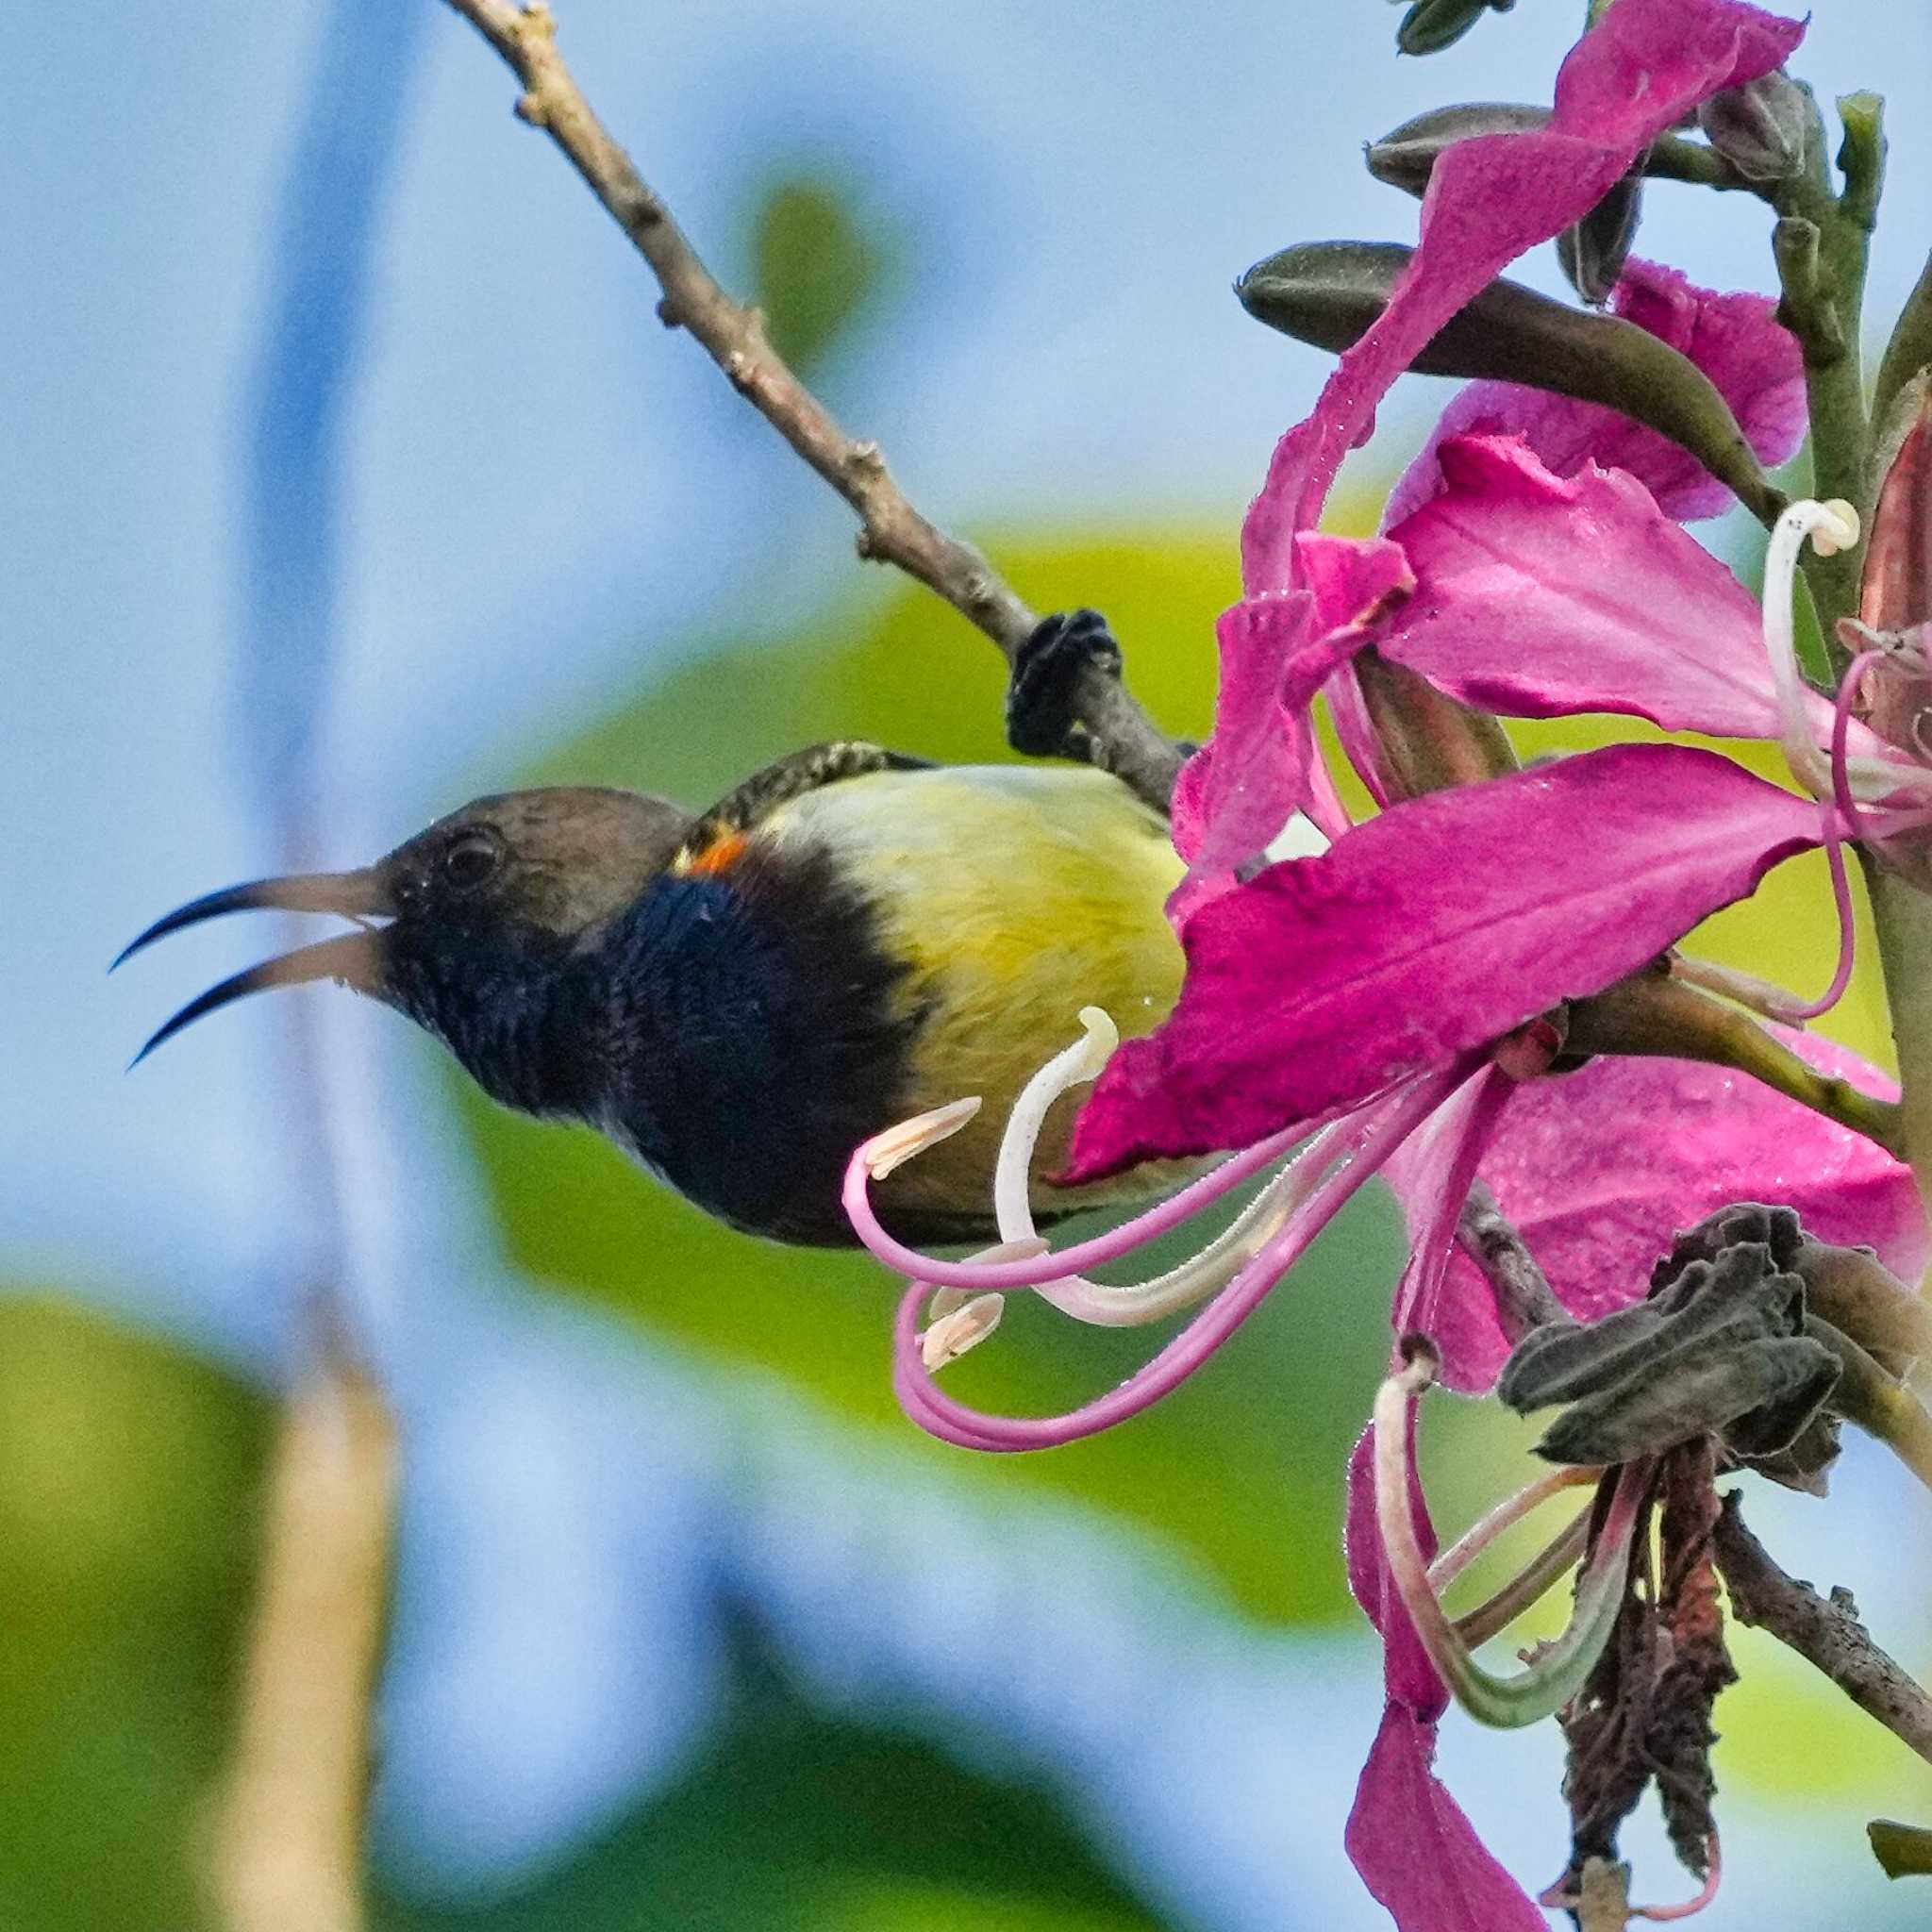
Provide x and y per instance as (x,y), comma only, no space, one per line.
(287,1853)
(1117,733)
(1825,1632)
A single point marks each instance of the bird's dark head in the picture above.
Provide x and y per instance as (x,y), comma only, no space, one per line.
(465,926)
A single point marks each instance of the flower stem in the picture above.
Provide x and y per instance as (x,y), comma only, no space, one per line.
(1880,1404)
(1902,915)
(1821,242)
(1651,1013)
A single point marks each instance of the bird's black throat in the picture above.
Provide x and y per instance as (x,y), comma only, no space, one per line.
(741,1034)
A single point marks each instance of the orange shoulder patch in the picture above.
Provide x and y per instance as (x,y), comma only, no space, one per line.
(720,856)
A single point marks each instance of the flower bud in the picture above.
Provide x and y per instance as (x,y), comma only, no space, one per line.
(1430,25)
(1330,293)
(1758,127)
(1895,598)
(1592,253)
(1406,156)
(1897,589)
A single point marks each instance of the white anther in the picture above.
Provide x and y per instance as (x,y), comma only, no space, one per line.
(1830,527)
(885,1150)
(965,1326)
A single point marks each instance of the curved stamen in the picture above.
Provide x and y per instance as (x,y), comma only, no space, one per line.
(1109,1305)
(1505,1516)
(1328,1176)
(1530,1584)
(1831,526)
(1562,1667)
(1073,1066)
(937,1273)
(1843,818)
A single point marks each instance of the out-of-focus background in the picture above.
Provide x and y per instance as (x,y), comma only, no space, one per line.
(348,474)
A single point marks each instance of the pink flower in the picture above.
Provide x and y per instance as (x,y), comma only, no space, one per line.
(1387,1001)
(1634,76)
(1429,933)
(1736,340)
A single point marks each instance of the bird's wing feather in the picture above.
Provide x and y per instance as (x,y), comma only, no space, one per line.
(719,834)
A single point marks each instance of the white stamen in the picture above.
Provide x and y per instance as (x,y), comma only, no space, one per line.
(898,1144)
(1073,1067)
(949,1337)
(1129,1305)
(1831,526)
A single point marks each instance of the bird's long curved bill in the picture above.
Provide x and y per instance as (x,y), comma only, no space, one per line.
(354,894)
(351,957)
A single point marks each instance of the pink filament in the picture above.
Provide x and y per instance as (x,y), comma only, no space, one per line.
(1842,820)
(1376,1131)
(934,1272)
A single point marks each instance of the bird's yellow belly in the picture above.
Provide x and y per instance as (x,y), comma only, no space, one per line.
(1016,895)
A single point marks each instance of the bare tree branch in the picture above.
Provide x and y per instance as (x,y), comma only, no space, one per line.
(289,1843)
(1113,730)
(1825,1632)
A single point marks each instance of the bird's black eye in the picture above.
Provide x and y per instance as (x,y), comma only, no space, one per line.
(471,860)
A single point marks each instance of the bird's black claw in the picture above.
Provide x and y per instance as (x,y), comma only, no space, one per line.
(1042,718)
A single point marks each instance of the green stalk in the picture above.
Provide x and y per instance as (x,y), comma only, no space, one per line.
(1821,241)
(1902,915)
(1880,1404)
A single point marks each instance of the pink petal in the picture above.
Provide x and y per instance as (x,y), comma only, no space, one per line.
(1431,932)
(1736,340)
(1431,1174)
(1238,791)
(1600,1169)
(1502,617)
(1410,1676)
(1415,1850)
(1633,76)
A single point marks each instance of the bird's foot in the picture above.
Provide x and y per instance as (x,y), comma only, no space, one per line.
(1043,698)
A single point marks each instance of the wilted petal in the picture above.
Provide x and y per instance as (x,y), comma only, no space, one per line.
(1629,78)
(1736,340)
(1415,1850)
(1429,932)
(1238,791)
(1503,616)
(1599,1169)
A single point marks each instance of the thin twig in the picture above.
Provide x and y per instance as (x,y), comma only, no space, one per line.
(289,1843)
(1825,1632)
(1118,733)
(1524,1299)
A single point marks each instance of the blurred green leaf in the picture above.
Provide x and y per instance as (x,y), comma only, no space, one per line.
(817,266)
(794,1818)
(127,1475)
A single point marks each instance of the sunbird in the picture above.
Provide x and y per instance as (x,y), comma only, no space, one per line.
(740,997)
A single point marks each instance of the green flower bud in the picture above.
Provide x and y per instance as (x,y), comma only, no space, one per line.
(1430,25)
(1592,253)
(1406,156)
(1330,293)
(1758,127)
